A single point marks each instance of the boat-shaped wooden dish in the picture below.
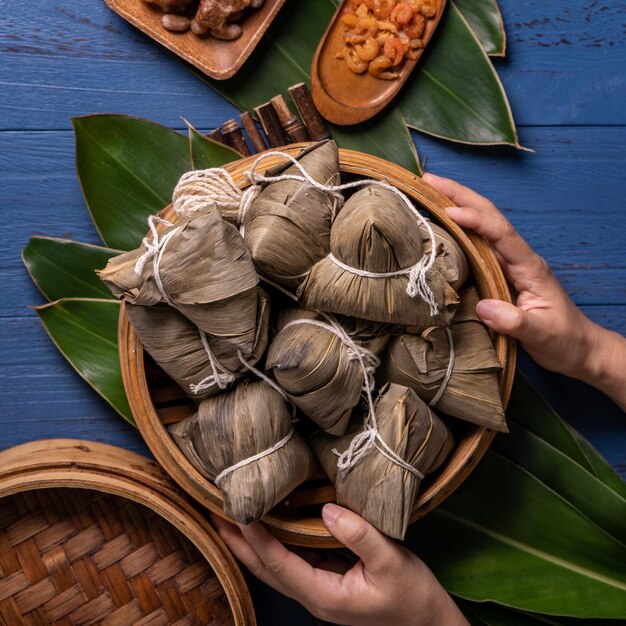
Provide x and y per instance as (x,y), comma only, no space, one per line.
(217,58)
(344,97)
(156,401)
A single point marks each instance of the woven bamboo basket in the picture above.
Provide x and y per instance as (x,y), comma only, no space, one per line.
(93,534)
(156,401)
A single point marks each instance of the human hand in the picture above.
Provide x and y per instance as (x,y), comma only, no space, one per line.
(388,585)
(550,327)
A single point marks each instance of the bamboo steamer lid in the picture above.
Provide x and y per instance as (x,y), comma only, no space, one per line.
(91,533)
(156,401)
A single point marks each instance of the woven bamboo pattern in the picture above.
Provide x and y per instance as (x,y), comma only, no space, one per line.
(79,557)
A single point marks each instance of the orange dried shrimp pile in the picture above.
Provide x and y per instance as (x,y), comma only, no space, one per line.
(380,34)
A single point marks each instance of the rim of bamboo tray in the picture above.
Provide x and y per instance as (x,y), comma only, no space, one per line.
(72,463)
(286,525)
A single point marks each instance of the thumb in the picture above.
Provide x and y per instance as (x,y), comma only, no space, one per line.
(370,545)
(505,318)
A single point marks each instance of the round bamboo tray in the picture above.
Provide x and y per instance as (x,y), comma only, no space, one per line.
(157,402)
(90,533)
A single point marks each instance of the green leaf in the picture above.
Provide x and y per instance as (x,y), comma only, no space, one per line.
(206,153)
(128,168)
(592,498)
(455,92)
(531,411)
(504,536)
(283,58)
(66,269)
(385,136)
(600,466)
(486,614)
(492,615)
(85,331)
(485,19)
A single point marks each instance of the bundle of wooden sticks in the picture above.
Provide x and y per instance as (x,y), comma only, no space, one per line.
(279,125)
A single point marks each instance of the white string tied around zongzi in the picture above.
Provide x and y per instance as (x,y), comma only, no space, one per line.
(370,436)
(201,188)
(417,283)
(446,378)
(197,190)
(220,376)
(270,382)
(356,352)
(251,459)
(154,251)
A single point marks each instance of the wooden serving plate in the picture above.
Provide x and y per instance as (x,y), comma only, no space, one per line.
(217,58)
(342,96)
(91,533)
(156,401)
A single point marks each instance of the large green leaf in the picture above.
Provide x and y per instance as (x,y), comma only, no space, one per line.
(486,614)
(85,331)
(66,269)
(206,153)
(485,18)
(530,410)
(455,93)
(128,168)
(504,536)
(600,466)
(283,58)
(590,496)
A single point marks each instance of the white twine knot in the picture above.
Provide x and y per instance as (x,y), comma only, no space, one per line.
(369,437)
(359,446)
(154,251)
(196,191)
(220,376)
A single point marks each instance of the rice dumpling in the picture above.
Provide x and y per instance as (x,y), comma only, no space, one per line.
(450,260)
(375,235)
(287,227)
(322,365)
(201,364)
(377,487)
(202,268)
(244,441)
(455,370)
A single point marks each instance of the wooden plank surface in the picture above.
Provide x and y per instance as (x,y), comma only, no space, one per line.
(565,66)
(566,78)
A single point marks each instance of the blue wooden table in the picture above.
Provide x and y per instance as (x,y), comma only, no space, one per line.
(566,78)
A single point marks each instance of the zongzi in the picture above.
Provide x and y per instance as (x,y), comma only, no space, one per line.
(450,260)
(322,365)
(201,364)
(201,267)
(287,226)
(244,441)
(375,241)
(383,483)
(456,369)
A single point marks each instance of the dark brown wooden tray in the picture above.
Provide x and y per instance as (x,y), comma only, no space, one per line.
(215,57)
